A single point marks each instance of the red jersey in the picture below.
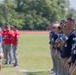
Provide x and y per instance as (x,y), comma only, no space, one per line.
(8,37)
(3,33)
(16,37)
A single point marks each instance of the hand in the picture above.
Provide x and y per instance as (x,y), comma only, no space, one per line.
(16,47)
(62,63)
(10,45)
(55,53)
(59,57)
(59,45)
(67,64)
(62,44)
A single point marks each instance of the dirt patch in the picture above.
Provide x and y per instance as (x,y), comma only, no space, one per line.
(34,32)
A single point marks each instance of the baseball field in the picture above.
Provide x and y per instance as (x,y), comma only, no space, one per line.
(34,55)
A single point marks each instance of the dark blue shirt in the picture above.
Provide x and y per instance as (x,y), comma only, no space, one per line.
(66,52)
(73,50)
(53,36)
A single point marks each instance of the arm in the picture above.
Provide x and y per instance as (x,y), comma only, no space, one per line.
(68,62)
(73,71)
(17,38)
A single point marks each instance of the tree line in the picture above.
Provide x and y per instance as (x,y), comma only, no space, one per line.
(34,14)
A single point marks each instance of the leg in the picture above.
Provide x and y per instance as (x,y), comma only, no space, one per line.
(10,54)
(15,54)
(0,64)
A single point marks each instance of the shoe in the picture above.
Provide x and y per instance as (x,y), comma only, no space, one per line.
(10,63)
(54,73)
(5,63)
(16,65)
(51,71)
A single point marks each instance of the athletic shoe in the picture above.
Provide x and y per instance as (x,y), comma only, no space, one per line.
(16,65)
(51,71)
(54,73)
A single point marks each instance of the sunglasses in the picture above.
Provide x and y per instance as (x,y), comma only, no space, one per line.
(61,23)
(59,28)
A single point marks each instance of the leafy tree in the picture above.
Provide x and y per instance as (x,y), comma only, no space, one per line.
(34,14)
(35,22)
(71,13)
(9,14)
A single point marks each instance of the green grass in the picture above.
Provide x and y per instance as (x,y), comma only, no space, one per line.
(34,55)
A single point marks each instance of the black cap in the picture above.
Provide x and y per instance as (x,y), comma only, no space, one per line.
(71,19)
(15,26)
(7,26)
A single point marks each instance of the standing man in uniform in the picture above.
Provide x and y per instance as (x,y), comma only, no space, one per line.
(15,42)
(3,43)
(7,39)
(1,50)
(66,52)
(53,36)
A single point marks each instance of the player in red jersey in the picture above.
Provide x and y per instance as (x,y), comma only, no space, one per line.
(3,43)
(7,40)
(15,42)
(1,50)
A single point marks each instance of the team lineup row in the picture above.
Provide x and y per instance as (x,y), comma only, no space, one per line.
(63,47)
(9,39)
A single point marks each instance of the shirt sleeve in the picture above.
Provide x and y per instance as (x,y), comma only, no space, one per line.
(0,38)
(17,35)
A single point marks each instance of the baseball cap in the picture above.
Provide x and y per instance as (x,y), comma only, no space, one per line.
(56,25)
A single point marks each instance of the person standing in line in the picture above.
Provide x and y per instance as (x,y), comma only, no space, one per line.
(53,37)
(3,43)
(51,34)
(66,51)
(1,50)
(59,49)
(15,42)
(12,31)
(72,59)
(72,69)
(7,38)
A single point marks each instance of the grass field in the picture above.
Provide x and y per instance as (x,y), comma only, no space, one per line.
(34,55)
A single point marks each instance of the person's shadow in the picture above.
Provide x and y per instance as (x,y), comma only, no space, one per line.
(36,73)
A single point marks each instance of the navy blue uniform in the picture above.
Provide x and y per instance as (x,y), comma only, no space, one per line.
(51,34)
(53,38)
(66,52)
(73,50)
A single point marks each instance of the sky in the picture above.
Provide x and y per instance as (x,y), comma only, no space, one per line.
(73,4)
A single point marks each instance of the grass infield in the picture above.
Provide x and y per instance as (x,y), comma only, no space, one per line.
(34,56)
